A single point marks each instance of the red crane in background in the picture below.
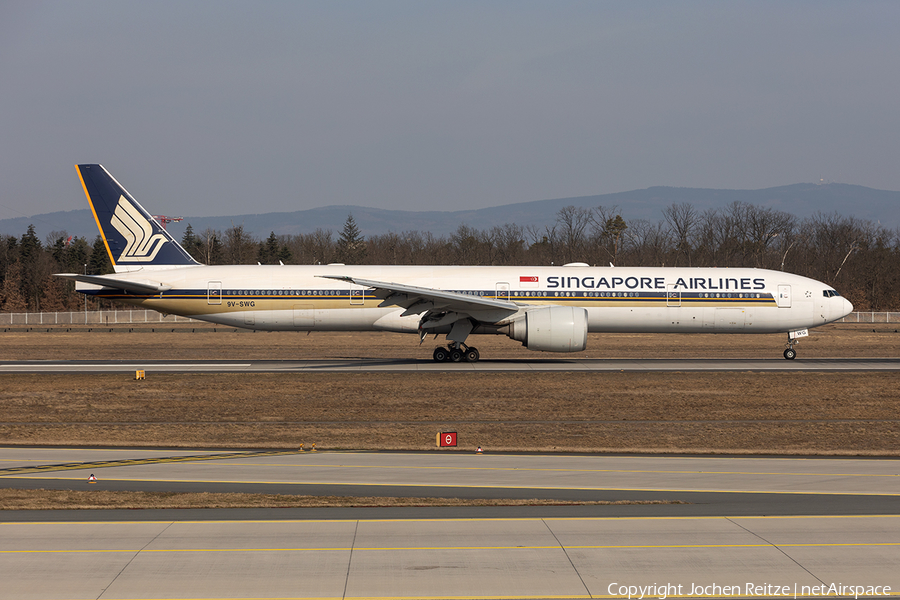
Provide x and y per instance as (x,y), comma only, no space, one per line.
(164,220)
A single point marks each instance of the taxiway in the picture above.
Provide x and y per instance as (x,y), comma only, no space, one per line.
(838,523)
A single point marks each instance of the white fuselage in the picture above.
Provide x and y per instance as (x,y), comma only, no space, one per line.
(617,299)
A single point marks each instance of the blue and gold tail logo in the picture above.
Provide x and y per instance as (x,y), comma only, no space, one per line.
(142,244)
(133,238)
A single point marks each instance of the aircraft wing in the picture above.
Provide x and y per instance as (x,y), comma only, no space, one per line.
(420,299)
(137,287)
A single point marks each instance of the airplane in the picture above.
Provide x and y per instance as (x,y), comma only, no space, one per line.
(550,309)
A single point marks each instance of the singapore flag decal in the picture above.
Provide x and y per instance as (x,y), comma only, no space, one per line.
(528,281)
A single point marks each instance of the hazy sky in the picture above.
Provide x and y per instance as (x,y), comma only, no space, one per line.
(218,108)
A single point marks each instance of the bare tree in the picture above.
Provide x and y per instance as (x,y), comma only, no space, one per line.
(240,248)
(211,247)
(509,240)
(321,246)
(464,245)
(764,225)
(682,219)
(572,225)
(651,243)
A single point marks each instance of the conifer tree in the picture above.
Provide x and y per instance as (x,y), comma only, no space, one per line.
(30,255)
(192,244)
(54,295)
(268,250)
(76,256)
(351,247)
(284,254)
(99,263)
(13,301)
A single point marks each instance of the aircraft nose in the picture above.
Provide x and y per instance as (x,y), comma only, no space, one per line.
(847,308)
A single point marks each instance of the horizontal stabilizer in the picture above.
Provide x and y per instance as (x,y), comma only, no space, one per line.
(136,287)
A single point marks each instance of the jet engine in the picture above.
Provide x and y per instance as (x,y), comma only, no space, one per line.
(551,329)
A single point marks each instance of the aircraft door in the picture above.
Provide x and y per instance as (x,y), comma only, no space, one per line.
(673,295)
(357,295)
(784,296)
(214,293)
(502,291)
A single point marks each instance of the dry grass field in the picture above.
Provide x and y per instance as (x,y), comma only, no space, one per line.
(72,499)
(786,413)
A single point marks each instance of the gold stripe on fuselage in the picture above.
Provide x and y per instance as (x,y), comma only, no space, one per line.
(199,305)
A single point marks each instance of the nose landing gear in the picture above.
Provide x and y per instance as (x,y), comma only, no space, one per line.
(789,352)
(456,352)
(793,338)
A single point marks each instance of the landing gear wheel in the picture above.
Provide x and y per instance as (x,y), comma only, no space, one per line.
(472,354)
(790,354)
(441,354)
(456,355)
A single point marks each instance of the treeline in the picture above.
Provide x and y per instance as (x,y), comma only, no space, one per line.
(857,257)
(27,265)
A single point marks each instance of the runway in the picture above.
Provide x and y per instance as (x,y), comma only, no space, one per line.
(371,365)
(837,523)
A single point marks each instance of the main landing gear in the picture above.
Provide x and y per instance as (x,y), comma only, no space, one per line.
(456,352)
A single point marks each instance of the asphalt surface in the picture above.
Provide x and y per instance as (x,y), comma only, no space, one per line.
(801,524)
(795,523)
(484,365)
(457,559)
(702,486)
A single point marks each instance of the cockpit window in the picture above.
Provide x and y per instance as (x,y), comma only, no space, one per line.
(830,293)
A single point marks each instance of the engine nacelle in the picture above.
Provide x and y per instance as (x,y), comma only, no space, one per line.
(552,329)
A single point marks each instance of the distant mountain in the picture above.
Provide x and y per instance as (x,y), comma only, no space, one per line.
(802,200)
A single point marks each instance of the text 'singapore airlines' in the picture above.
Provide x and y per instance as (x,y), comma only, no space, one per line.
(550,309)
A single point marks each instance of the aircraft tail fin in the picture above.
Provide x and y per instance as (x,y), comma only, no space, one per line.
(133,238)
